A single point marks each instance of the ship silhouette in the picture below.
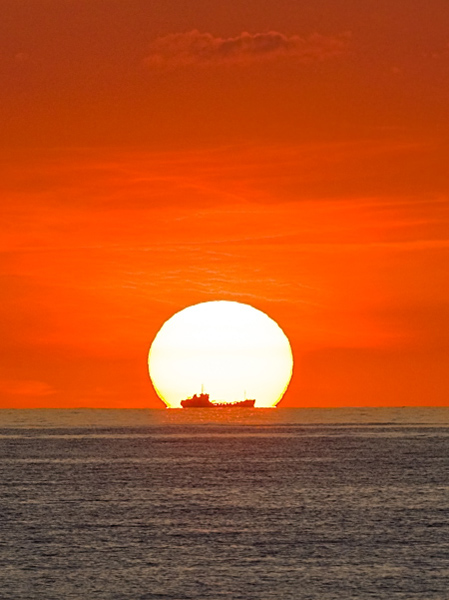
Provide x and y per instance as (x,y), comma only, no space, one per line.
(203,401)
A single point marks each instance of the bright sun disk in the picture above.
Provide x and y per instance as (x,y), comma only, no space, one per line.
(229,349)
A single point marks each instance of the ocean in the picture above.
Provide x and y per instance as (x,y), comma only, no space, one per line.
(236,504)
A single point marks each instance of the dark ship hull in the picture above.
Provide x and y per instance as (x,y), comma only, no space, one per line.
(202,401)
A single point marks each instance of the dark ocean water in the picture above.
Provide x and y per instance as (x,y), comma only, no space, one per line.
(244,504)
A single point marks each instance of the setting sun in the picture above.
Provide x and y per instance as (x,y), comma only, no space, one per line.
(229,349)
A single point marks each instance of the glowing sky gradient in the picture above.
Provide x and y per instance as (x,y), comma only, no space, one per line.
(288,155)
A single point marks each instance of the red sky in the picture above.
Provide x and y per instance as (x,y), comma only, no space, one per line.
(289,155)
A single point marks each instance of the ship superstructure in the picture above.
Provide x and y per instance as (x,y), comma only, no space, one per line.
(203,401)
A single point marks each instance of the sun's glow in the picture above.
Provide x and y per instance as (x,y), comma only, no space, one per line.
(230,349)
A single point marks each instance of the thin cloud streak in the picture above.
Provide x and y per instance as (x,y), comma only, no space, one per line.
(26,387)
(196,48)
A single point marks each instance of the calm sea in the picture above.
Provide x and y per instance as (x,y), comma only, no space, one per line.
(237,504)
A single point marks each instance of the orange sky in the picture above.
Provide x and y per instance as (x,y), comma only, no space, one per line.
(289,155)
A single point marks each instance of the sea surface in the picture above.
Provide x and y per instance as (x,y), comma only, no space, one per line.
(250,504)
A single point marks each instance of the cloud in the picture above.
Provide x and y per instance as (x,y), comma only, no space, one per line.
(440,53)
(21,57)
(26,387)
(196,48)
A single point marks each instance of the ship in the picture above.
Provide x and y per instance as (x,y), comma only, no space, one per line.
(203,401)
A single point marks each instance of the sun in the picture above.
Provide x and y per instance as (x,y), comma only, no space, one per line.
(230,349)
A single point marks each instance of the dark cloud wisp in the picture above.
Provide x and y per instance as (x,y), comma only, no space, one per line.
(196,48)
